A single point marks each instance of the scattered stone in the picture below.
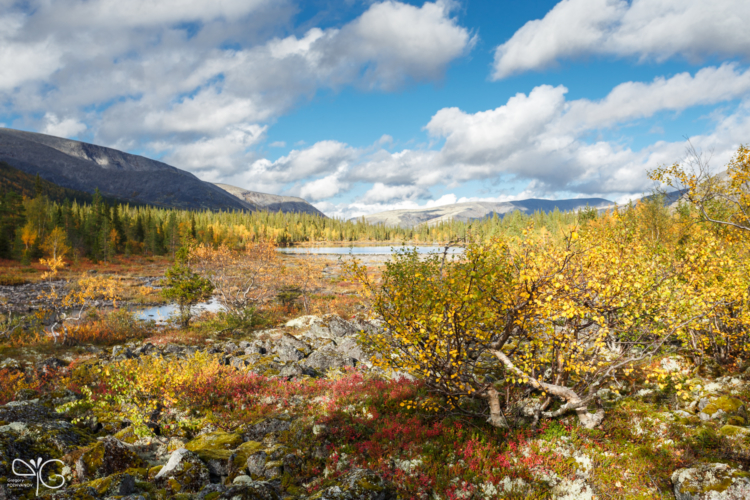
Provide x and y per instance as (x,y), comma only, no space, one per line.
(292,370)
(242,480)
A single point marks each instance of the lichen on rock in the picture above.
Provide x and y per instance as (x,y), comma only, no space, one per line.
(715,481)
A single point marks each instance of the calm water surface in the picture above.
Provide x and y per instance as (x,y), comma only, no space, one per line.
(381,250)
(163,314)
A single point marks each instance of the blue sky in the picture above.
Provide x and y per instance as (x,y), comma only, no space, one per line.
(365,106)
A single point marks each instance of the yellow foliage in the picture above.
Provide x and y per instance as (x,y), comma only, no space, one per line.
(565,316)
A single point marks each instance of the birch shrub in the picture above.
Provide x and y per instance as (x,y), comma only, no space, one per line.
(564,317)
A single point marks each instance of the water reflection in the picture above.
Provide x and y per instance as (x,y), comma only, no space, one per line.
(164,314)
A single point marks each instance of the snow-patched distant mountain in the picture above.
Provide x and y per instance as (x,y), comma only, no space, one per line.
(477,210)
(272,202)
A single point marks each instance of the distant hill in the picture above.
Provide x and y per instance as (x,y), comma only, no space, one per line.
(80,166)
(478,209)
(272,202)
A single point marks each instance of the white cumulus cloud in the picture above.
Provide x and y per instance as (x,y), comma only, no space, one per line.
(67,127)
(644,29)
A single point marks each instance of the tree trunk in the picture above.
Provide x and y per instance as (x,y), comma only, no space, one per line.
(572,400)
(497,418)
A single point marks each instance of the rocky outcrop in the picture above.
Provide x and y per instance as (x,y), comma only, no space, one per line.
(711,482)
(266,459)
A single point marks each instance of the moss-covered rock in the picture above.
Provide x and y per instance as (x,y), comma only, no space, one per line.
(357,484)
(127,435)
(735,420)
(711,481)
(184,472)
(257,490)
(722,408)
(217,442)
(734,430)
(243,452)
(105,458)
(216,449)
(121,484)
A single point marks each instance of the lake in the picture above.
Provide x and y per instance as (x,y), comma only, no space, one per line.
(374,250)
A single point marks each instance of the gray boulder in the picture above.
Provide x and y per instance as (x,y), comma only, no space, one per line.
(324,359)
(327,326)
(256,464)
(260,430)
(358,484)
(286,353)
(288,340)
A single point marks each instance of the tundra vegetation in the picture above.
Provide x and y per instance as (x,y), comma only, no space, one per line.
(559,356)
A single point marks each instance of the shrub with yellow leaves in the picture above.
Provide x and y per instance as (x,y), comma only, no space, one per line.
(562,316)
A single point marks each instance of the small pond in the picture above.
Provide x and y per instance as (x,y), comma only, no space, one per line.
(162,314)
(376,250)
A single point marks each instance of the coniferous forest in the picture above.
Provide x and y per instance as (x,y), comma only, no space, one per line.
(102,228)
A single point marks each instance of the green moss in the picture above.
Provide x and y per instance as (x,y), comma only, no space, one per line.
(243,452)
(174,485)
(295,490)
(366,485)
(127,435)
(212,495)
(734,430)
(217,440)
(725,403)
(145,485)
(93,458)
(736,421)
(720,486)
(101,485)
(153,471)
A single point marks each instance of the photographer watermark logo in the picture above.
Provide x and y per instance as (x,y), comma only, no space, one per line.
(35,468)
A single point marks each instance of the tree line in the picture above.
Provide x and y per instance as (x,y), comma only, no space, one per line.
(102,229)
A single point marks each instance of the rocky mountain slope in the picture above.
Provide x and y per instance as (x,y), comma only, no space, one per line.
(12,179)
(272,202)
(476,210)
(85,167)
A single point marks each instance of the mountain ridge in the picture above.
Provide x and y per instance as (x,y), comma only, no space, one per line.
(472,210)
(84,167)
(272,202)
